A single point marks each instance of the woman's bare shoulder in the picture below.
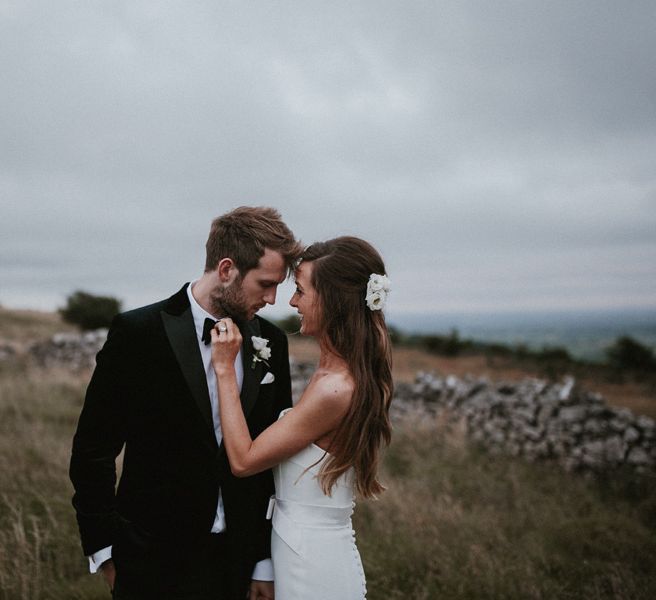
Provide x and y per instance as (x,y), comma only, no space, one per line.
(333,389)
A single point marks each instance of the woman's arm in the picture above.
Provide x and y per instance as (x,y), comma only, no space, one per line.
(320,410)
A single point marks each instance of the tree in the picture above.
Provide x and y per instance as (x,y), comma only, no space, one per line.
(627,353)
(450,345)
(88,311)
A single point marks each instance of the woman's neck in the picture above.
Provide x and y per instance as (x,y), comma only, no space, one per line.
(329,359)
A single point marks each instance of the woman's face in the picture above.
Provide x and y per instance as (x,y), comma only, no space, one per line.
(306,300)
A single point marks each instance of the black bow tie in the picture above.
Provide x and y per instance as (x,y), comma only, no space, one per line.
(208,325)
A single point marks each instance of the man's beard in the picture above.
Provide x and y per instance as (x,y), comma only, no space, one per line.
(229,301)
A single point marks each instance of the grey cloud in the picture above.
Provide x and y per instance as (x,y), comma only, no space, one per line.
(466,134)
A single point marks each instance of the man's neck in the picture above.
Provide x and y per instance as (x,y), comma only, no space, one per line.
(200,290)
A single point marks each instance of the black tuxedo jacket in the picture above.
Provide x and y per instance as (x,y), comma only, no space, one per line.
(149,393)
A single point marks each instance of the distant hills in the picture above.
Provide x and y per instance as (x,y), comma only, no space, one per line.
(584,334)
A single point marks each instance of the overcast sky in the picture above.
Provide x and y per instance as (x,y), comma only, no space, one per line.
(501,155)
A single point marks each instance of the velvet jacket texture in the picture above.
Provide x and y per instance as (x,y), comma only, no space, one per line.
(149,394)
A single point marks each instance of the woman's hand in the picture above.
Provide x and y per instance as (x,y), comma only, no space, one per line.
(226,342)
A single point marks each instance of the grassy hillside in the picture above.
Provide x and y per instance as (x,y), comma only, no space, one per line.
(21,326)
(40,555)
(454,523)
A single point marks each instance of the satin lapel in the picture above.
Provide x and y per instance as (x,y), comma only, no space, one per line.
(182,336)
(250,387)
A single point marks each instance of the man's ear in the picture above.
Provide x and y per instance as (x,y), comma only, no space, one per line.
(226,270)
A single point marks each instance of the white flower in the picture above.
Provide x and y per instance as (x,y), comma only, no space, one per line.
(377,300)
(378,287)
(259,343)
(262,351)
(375,283)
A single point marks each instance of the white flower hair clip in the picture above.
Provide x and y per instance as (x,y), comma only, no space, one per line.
(378,287)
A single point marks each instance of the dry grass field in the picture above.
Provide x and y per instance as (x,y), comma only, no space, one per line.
(454,523)
(21,327)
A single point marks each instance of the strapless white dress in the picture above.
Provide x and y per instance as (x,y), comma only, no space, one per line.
(313,543)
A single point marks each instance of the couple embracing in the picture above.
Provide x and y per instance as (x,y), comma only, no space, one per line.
(226,491)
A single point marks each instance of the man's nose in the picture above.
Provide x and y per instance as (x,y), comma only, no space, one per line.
(270,296)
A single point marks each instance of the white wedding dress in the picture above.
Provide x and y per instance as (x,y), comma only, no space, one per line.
(313,543)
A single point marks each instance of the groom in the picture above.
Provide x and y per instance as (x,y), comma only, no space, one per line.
(180,525)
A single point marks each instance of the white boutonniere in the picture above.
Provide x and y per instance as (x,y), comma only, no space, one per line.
(262,352)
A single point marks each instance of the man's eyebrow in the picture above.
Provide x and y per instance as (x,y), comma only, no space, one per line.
(270,282)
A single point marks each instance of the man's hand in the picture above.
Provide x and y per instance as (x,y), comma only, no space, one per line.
(108,572)
(261,590)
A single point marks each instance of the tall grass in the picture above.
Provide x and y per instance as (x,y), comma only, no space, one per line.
(40,556)
(458,523)
(454,523)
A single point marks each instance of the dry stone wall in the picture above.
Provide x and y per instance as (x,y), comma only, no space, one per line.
(538,420)
(7,351)
(531,418)
(76,351)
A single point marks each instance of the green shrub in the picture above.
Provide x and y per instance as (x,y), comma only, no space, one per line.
(627,353)
(89,311)
(450,345)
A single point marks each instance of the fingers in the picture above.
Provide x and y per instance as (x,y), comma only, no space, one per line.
(221,329)
(226,342)
(225,330)
(108,572)
(261,590)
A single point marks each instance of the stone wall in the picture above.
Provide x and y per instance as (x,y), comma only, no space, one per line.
(538,420)
(7,351)
(531,418)
(76,351)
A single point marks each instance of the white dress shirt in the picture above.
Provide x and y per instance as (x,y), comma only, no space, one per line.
(264,569)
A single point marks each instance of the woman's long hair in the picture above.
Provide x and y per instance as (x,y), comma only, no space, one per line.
(350,329)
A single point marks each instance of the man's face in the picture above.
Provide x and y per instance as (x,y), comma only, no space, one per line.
(244,296)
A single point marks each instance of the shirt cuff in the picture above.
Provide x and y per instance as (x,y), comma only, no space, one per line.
(98,558)
(263,570)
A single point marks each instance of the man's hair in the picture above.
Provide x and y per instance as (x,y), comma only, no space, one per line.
(242,235)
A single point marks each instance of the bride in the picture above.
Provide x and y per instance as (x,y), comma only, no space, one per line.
(327,447)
